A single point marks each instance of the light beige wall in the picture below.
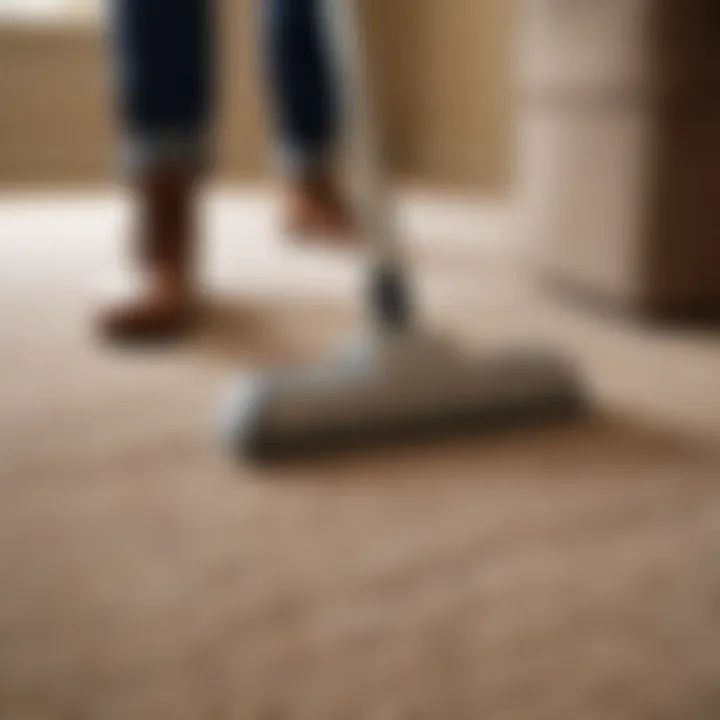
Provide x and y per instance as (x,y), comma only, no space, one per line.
(55,123)
(443,70)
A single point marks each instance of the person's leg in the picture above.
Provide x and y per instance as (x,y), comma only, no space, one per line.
(163,57)
(305,98)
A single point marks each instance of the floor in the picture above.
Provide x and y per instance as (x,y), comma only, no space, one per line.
(565,573)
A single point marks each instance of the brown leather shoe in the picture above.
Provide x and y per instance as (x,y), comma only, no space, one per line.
(316,212)
(156,299)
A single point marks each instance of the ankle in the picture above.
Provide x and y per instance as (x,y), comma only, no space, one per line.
(167,208)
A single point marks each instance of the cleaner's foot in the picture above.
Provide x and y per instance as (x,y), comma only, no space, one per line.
(155,301)
(316,212)
(149,306)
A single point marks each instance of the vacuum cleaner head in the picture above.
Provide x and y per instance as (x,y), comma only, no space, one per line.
(391,386)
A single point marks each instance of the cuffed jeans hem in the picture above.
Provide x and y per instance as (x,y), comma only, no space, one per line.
(297,162)
(141,153)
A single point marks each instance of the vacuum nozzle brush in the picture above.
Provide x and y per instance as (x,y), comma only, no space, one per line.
(391,387)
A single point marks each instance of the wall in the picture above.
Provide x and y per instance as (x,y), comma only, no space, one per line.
(444,90)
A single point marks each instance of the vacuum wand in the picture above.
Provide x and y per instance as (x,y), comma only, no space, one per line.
(389,295)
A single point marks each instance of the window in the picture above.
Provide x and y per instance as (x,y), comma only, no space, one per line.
(46,9)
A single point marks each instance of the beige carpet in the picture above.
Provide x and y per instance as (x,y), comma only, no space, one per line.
(570,573)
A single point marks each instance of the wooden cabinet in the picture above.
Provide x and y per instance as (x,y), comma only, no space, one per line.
(621,139)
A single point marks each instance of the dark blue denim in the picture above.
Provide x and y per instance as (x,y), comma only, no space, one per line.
(165,52)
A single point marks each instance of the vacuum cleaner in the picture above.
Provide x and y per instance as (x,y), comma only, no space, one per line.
(399,379)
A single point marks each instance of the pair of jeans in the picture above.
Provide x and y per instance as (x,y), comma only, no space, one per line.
(165,54)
